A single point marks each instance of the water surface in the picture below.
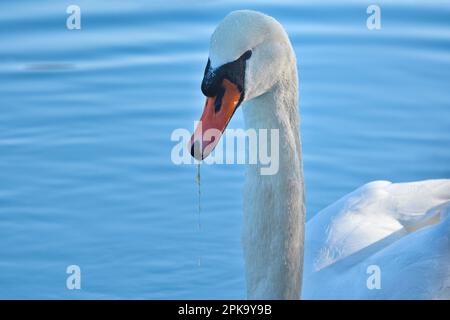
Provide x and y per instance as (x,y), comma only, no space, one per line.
(86,117)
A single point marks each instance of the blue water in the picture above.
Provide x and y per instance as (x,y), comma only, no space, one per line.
(86,117)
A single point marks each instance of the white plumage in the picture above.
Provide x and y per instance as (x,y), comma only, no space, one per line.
(403,228)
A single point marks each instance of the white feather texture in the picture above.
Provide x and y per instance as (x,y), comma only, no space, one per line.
(402,228)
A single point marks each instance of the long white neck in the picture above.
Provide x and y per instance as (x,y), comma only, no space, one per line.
(274,211)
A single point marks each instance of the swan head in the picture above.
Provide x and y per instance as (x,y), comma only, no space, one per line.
(248,53)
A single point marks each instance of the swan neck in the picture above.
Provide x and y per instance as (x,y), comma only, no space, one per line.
(273,204)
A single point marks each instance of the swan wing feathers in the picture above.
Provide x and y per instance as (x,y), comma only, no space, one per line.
(403,226)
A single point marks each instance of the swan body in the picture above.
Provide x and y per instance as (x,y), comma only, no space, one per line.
(403,229)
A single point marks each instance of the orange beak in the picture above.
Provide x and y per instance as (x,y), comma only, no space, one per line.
(214,120)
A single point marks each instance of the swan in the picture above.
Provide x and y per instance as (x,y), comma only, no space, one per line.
(398,230)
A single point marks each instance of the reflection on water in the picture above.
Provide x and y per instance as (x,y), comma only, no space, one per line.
(86,118)
(49,66)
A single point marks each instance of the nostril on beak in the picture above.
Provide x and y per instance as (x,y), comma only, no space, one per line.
(196,150)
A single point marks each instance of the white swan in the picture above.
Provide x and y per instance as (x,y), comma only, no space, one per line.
(252,62)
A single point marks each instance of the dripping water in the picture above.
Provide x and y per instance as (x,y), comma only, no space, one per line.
(197,179)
